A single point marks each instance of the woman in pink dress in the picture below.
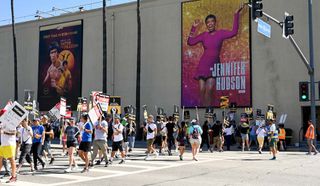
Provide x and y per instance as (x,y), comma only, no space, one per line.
(211,41)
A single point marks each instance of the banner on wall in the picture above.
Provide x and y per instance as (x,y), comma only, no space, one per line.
(60,64)
(215,53)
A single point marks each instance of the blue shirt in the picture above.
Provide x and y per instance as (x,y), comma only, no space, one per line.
(87,137)
(37,130)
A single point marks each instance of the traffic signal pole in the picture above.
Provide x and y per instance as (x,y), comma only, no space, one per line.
(309,65)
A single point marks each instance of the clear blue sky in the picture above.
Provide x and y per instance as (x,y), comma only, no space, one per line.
(26,9)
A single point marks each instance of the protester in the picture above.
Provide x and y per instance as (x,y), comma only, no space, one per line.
(273,138)
(64,137)
(182,139)
(7,151)
(72,132)
(151,130)
(282,137)
(170,137)
(310,137)
(131,133)
(38,142)
(85,145)
(26,144)
(217,136)
(205,136)
(228,135)
(261,133)
(195,132)
(99,142)
(48,137)
(117,140)
(244,130)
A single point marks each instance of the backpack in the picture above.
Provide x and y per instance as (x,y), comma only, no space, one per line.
(195,133)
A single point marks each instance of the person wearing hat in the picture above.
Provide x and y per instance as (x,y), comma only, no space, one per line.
(117,139)
(99,142)
(151,129)
(244,130)
(195,132)
(37,142)
(48,137)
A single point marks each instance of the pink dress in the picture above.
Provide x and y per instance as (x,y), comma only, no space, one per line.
(212,44)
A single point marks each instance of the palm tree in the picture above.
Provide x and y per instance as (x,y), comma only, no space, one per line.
(138,64)
(14,53)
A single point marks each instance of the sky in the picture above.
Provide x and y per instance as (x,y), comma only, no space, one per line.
(26,9)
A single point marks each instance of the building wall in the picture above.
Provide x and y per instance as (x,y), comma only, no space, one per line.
(276,67)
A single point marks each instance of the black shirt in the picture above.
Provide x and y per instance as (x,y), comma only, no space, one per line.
(170,129)
(216,130)
(47,128)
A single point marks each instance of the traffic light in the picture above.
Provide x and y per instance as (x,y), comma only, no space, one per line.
(304,91)
(257,9)
(288,25)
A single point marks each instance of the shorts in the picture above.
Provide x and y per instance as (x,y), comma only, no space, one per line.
(244,137)
(85,146)
(117,146)
(197,141)
(273,143)
(8,151)
(150,142)
(158,141)
(217,141)
(71,144)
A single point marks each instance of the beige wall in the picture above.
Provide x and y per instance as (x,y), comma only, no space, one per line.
(276,67)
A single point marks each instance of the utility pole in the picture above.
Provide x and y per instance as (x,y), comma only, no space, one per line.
(104,63)
(15,74)
(312,84)
(138,64)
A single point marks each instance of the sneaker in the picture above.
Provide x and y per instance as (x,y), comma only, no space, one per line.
(107,164)
(157,154)
(147,157)
(195,159)
(130,150)
(181,158)
(12,179)
(75,168)
(200,150)
(260,152)
(68,169)
(122,162)
(274,158)
(309,153)
(85,170)
(43,165)
(51,161)
(110,162)
(91,165)
(315,153)
(98,162)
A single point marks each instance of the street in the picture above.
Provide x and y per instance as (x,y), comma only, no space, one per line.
(226,168)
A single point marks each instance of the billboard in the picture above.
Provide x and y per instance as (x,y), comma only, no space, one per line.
(216,56)
(60,64)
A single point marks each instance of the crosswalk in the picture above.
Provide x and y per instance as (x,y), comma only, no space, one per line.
(54,175)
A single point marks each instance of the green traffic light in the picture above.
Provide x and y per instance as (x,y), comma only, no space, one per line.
(304,97)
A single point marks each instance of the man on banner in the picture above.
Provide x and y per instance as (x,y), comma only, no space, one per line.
(53,70)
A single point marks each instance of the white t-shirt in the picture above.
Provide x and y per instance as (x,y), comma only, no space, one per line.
(153,127)
(25,137)
(261,132)
(8,140)
(119,137)
(273,128)
(228,131)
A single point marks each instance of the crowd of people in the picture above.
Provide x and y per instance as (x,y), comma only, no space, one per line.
(31,141)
